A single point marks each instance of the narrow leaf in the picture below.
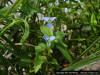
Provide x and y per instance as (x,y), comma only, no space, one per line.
(39,60)
(15,5)
(26,33)
(63,49)
(93,19)
(10,25)
(82,63)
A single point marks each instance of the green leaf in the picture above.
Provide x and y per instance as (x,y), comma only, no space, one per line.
(46,31)
(53,63)
(3,10)
(39,60)
(26,32)
(60,35)
(38,49)
(82,63)
(15,5)
(41,47)
(93,19)
(78,39)
(10,25)
(98,16)
(63,49)
(12,7)
(25,60)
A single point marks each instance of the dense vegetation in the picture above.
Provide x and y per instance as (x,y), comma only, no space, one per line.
(42,36)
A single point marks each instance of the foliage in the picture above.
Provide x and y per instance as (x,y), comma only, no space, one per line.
(41,36)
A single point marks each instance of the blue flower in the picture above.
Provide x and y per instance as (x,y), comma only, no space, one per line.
(48,19)
(52,38)
(48,44)
(46,37)
(49,25)
(45,19)
(52,18)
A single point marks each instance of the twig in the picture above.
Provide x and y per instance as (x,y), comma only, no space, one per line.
(27,44)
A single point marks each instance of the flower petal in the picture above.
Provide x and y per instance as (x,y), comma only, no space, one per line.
(48,44)
(45,37)
(52,18)
(45,19)
(48,19)
(49,25)
(52,38)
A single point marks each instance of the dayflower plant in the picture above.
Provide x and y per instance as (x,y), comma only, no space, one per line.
(49,21)
(48,39)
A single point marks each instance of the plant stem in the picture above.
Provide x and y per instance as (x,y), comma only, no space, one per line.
(48,51)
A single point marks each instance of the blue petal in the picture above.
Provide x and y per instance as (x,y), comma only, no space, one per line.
(49,25)
(48,44)
(45,19)
(52,18)
(45,37)
(52,38)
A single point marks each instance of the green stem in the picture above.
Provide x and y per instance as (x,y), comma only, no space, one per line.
(48,51)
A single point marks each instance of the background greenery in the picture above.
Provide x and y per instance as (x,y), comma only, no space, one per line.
(23,49)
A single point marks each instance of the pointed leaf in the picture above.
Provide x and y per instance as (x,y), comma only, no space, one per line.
(26,33)
(46,31)
(63,49)
(82,63)
(39,60)
(93,19)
